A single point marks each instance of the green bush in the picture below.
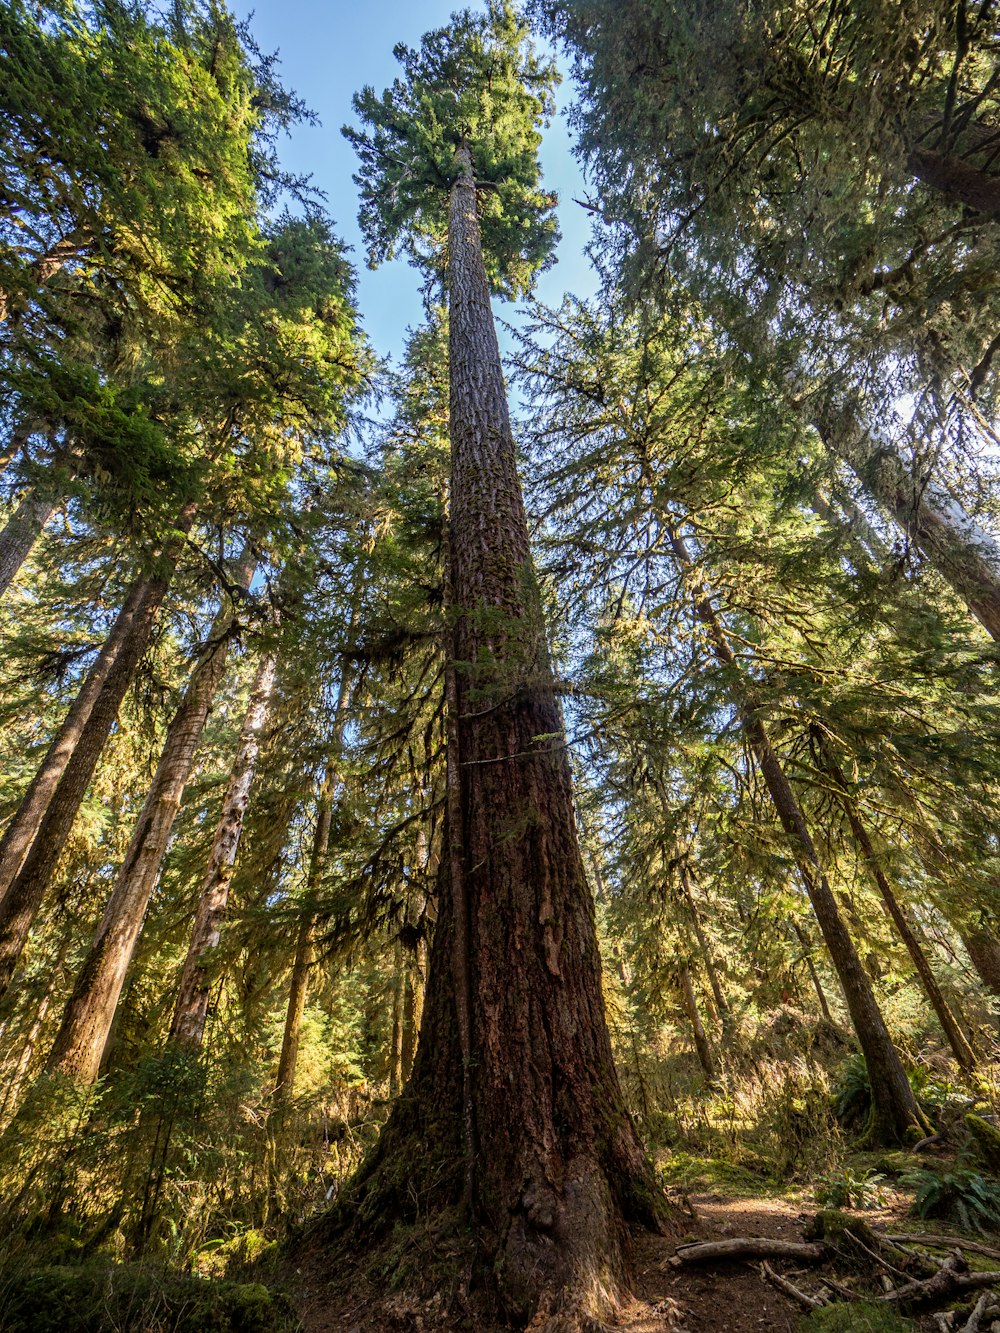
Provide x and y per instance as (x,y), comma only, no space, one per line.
(963,1197)
(851,1189)
(105,1298)
(856,1317)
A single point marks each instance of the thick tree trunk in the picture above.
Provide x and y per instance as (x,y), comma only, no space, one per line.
(964,554)
(33,842)
(895,1112)
(956,180)
(284,1084)
(90,1010)
(983,948)
(22,531)
(701,1042)
(957,1039)
(191,1009)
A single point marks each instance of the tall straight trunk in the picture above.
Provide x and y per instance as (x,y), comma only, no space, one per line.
(557,1163)
(399,971)
(701,1042)
(983,948)
(957,1039)
(284,1084)
(824,1007)
(33,842)
(895,1112)
(964,554)
(20,534)
(706,954)
(191,1009)
(87,1018)
(413,1006)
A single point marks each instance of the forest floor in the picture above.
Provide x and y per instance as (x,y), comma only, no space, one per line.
(722,1298)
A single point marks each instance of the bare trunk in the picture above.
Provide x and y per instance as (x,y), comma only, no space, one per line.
(983,948)
(87,1018)
(964,554)
(706,955)
(22,531)
(191,1009)
(34,840)
(284,1084)
(396,1035)
(895,1112)
(956,180)
(957,1039)
(701,1042)
(824,1007)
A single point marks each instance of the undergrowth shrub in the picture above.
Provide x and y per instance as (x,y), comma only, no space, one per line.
(961,1196)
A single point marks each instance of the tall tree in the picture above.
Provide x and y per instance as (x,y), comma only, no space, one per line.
(514,1046)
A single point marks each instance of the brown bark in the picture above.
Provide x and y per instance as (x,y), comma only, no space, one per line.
(895,1112)
(813,974)
(413,1007)
(956,180)
(20,534)
(706,954)
(558,1162)
(701,1042)
(87,1018)
(33,842)
(964,554)
(284,1084)
(191,1009)
(396,1036)
(983,949)
(957,1039)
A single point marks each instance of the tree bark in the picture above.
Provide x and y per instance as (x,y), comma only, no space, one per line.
(191,1009)
(22,531)
(87,1018)
(701,1042)
(284,1084)
(957,1039)
(964,554)
(49,262)
(983,948)
(895,1112)
(956,180)
(33,842)
(824,1007)
(706,955)
(558,1163)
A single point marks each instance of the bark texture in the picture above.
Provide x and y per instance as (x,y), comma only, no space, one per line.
(22,531)
(90,1010)
(701,1042)
(191,1009)
(956,180)
(983,948)
(964,554)
(895,1112)
(558,1165)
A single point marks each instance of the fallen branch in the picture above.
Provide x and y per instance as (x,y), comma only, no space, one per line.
(975,1320)
(951,1279)
(802,1298)
(747,1247)
(941,1242)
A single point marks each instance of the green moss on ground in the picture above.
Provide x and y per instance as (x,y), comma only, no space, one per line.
(856,1317)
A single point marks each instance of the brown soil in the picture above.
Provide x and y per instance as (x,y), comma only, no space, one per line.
(724,1298)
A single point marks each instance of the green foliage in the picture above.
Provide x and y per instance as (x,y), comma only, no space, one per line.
(962,1197)
(480,84)
(99,1298)
(856,1317)
(848,1188)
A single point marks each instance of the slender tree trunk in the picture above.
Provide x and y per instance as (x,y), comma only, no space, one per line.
(396,1035)
(706,955)
(47,264)
(413,1006)
(90,1010)
(22,531)
(964,554)
(895,1112)
(191,1009)
(701,1042)
(24,1060)
(957,1039)
(284,1084)
(558,1162)
(34,840)
(824,1007)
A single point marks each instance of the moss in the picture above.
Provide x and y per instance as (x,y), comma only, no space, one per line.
(987,1141)
(98,1298)
(856,1317)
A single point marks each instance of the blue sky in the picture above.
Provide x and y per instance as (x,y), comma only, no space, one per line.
(330,50)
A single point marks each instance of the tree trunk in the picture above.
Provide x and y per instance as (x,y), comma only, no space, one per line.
(983,948)
(284,1084)
(413,1006)
(706,955)
(895,1112)
(701,1043)
(396,1036)
(956,180)
(964,554)
(49,262)
(191,1010)
(22,531)
(957,1039)
(90,1010)
(558,1164)
(33,842)
(824,1007)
